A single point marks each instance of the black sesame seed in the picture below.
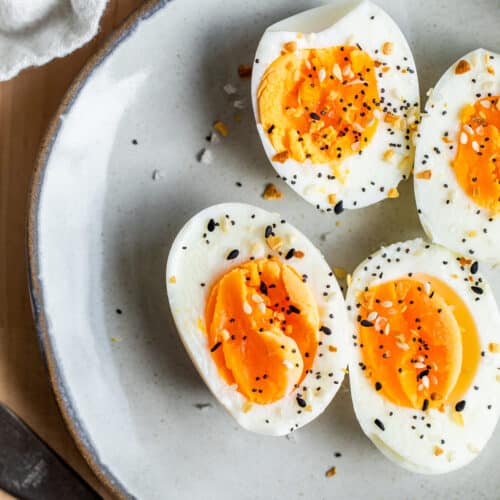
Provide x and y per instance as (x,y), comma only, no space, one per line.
(339,207)
(263,288)
(294,309)
(211,225)
(290,253)
(314,116)
(216,346)
(477,289)
(379,424)
(270,129)
(378,386)
(268,232)
(474,267)
(325,330)
(301,402)
(460,406)
(366,323)
(233,254)
(425,405)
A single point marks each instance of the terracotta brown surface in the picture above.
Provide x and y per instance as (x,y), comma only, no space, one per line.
(27,103)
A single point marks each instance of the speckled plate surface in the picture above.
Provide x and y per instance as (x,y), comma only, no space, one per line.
(118,176)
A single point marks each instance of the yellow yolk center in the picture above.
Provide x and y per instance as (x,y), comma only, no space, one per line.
(419,342)
(262,326)
(319,104)
(477,163)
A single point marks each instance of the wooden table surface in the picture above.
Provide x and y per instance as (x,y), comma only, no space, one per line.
(26,105)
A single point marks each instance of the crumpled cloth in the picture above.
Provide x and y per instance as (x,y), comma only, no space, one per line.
(32,32)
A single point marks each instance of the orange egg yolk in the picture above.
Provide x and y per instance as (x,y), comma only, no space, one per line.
(419,343)
(262,326)
(477,162)
(319,104)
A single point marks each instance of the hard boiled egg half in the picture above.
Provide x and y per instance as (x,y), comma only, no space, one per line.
(425,356)
(335,96)
(260,314)
(457,164)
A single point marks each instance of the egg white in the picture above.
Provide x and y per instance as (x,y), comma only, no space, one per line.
(193,262)
(398,441)
(447,214)
(370,177)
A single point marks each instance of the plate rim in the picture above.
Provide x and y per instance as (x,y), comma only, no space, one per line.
(59,386)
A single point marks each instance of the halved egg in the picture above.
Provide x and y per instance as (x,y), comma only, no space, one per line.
(260,314)
(336,101)
(425,356)
(457,163)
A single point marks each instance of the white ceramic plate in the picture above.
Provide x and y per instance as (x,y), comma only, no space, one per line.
(101,225)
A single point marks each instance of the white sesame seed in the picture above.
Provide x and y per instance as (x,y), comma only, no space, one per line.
(487,86)
(419,365)
(427,287)
(225,335)
(350,40)
(206,157)
(308,64)
(464,138)
(223,225)
(472,448)
(387,329)
(229,89)
(480,130)
(357,127)
(372,316)
(247,308)
(403,346)
(420,358)
(257,298)
(378,322)
(322,74)
(347,70)
(355,145)
(157,175)
(425,381)
(475,146)
(486,104)
(420,387)
(214,138)
(239,104)
(337,73)
(262,307)
(288,363)
(387,303)
(468,129)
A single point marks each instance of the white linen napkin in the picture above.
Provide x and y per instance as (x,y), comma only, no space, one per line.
(32,32)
